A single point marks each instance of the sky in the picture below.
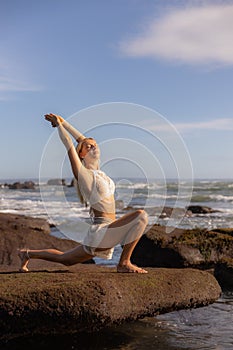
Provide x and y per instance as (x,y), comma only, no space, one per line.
(170,62)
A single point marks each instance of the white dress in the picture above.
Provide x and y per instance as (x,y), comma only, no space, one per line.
(99,195)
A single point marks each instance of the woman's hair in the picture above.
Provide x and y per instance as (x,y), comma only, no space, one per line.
(80,145)
(76,184)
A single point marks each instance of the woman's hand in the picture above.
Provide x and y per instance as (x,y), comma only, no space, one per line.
(54,119)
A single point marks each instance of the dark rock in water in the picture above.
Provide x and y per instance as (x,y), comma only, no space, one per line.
(171,247)
(223,272)
(90,297)
(27,185)
(199,209)
(71,183)
(197,248)
(57,182)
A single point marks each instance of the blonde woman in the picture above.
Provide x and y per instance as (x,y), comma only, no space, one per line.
(96,189)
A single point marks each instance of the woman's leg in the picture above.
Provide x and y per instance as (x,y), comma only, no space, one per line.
(127,231)
(71,257)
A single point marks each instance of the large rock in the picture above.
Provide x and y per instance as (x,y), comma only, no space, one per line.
(53,298)
(173,247)
(27,185)
(57,182)
(19,231)
(178,248)
(90,297)
(200,209)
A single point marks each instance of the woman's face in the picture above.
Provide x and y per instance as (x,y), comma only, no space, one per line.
(90,149)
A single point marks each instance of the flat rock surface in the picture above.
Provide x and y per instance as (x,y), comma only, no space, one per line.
(90,297)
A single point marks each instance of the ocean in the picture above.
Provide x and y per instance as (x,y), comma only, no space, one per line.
(209,327)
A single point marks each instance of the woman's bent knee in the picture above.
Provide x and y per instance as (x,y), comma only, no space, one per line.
(142,215)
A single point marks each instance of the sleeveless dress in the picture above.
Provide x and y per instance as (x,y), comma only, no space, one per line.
(97,189)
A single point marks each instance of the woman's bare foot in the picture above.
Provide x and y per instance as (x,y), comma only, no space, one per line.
(24,257)
(130,268)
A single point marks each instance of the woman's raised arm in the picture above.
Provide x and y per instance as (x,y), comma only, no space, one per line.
(77,135)
(67,141)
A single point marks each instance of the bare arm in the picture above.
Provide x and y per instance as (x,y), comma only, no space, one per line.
(74,132)
(77,135)
(67,141)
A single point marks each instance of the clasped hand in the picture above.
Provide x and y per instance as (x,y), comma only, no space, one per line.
(54,119)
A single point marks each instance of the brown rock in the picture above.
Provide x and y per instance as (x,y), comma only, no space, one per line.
(19,231)
(27,185)
(171,247)
(90,297)
(199,209)
(56,182)
(54,299)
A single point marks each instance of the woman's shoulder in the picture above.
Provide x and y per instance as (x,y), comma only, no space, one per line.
(86,173)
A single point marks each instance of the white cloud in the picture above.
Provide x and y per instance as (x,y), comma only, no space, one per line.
(7,85)
(14,77)
(221,124)
(197,34)
(215,124)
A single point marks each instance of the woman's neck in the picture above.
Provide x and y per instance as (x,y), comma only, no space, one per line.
(92,165)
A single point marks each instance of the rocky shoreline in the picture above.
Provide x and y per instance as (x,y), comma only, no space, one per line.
(202,249)
(85,297)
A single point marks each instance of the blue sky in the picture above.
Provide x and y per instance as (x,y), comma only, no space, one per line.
(63,56)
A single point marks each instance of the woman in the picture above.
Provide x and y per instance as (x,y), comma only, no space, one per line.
(96,188)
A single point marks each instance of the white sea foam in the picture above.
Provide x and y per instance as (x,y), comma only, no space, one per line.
(59,204)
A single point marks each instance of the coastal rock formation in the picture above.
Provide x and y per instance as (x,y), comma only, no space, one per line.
(172,247)
(27,185)
(55,299)
(90,297)
(57,182)
(200,209)
(19,231)
(178,248)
